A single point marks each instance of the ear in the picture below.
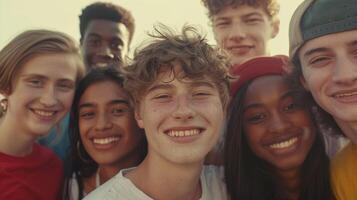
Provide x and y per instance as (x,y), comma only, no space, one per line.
(138,118)
(275,24)
(303,83)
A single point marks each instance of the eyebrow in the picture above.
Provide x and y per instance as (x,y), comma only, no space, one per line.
(316,50)
(113,102)
(289,93)
(252,14)
(42,77)
(159,86)
(202,83)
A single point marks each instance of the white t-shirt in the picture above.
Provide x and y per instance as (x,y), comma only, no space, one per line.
(120,187)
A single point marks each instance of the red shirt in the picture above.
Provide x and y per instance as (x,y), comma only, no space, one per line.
(37,176)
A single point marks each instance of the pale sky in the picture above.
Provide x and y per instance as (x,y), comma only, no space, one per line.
(62,15)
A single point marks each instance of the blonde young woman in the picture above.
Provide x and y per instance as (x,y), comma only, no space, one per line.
(39,70)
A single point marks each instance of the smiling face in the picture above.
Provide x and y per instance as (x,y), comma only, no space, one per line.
(104,43)
(107,126)
(329,68)
(42,94)
(277,129)
(182,117)
(244,31)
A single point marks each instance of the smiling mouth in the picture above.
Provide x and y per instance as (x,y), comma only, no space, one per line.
(183,133)
(347,94)
(43,114)
(107,140)
(284,144)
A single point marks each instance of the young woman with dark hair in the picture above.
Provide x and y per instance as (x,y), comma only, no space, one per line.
(273,148)
(104,135)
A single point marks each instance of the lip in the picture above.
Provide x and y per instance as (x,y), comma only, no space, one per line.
(240,49)
(105,142)
(345,96)
(184,134)
(44,114)
(285,145)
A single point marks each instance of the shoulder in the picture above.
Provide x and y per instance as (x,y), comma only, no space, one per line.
(343,172)
(118,187)
(213,185)
(345,158)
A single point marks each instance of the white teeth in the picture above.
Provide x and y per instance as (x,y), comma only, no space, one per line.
(346,94)
(184,133)
(44,113)
(101,64)
(105,140)
(284,144)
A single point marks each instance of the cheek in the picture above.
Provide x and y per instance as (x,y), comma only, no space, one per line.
(67,99)
(84,126)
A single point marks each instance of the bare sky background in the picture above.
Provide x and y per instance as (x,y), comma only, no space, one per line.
(62,15)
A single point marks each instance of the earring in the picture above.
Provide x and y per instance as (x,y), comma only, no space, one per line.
(3,106)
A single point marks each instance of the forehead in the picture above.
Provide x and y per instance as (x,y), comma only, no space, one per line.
(103,92)
(169,74)
(107,29)
(51,66)
(266,87)
(330,42)
(239,11)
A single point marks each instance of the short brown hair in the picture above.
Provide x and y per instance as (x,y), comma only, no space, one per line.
(271,7)
(197,58)
(109,12)
(30,44)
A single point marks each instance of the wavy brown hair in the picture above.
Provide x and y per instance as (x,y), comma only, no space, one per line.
(190,49)
(271,7)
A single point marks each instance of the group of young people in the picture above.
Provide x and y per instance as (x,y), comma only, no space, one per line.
(149,128)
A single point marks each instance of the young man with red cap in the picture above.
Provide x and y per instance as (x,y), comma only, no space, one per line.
(323,49)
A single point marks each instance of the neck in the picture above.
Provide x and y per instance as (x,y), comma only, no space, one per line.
(159,179)
(106,172)
(14,142)
(290,181)
(349,129)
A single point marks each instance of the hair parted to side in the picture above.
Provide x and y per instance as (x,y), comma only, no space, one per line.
(249,177)
(190,49)
(271,7)
(78,161)
(33,43)
(106,11)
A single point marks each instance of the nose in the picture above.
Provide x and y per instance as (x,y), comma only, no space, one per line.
(237,32)
(105,52)
(345,71)
(48,97)
(279,123)
(183,109)
(103,122)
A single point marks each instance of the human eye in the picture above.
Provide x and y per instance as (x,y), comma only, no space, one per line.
(86,114)
(119,110)
(201,93)
(320,61)
(255,118)
(94,42)
(116,45)
(35,82)
(66,85)
(290,105)
(161,97)
(222,23)
(253,20)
